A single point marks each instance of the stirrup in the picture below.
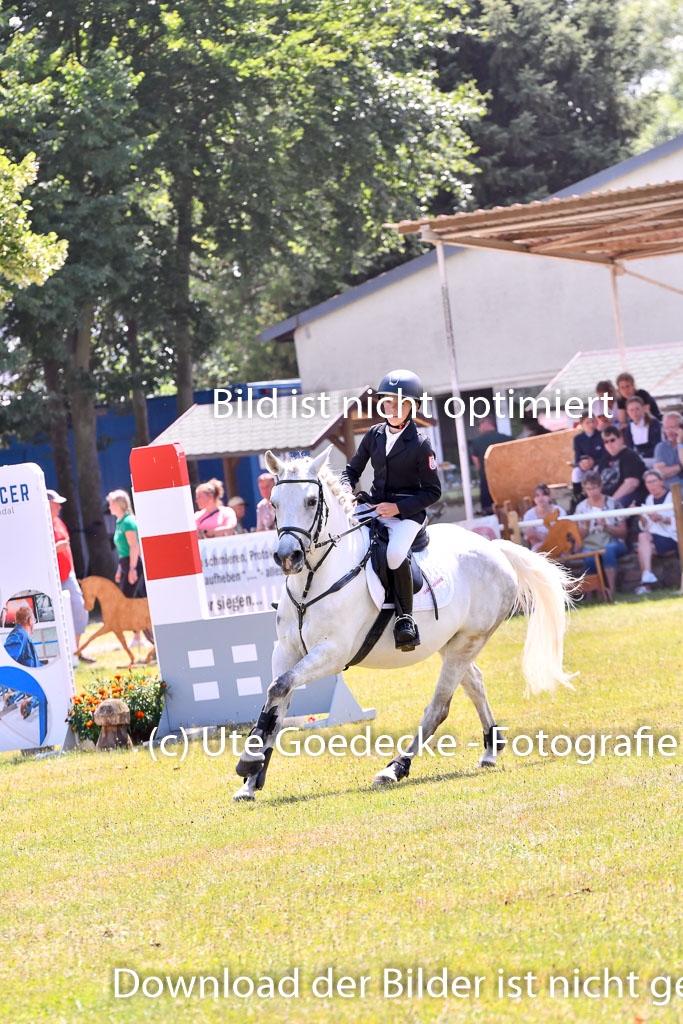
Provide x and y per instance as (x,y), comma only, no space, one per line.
(406,633)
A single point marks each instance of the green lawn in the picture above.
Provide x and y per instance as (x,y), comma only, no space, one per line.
(541,865)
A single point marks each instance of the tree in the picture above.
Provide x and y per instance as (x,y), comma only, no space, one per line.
(660,28)
(25,257)
(561,76)
(280,131)
(70,114)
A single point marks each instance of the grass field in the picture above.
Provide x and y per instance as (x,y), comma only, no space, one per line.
(541,865)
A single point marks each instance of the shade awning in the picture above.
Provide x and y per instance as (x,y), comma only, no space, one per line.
(599,227)
(206,436)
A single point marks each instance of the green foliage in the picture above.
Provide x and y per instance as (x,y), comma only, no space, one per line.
(216,164)
(660,27)
(562,77)
(143,693)
(25,257)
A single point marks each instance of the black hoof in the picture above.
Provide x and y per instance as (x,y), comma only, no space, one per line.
(245,769)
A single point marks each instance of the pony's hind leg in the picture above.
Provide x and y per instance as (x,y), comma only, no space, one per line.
(454,665)
(473,685)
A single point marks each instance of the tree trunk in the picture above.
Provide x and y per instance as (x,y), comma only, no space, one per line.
(137,394)
(183,338)
(85,445)
(61,456)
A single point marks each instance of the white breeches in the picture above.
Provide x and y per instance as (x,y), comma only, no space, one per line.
(402,533)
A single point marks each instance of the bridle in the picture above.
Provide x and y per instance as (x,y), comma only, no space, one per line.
(320,518)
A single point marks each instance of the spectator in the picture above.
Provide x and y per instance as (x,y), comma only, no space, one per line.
(658,530)
(627,389)
(18,643)
(588,450)
(607,533)
(213,519)
(488,435)
(669,451)
(239,507)
(543,504)
(605,409)
(129,574)
(643,432)
(265,513)
(621,469)
(67,574)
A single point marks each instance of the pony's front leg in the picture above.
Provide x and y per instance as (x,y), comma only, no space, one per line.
(322,660)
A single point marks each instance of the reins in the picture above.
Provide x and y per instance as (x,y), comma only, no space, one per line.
(319,519)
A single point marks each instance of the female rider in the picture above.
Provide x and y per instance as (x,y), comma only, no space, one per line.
(406,483)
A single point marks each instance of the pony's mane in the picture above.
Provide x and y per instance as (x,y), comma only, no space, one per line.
(339,489)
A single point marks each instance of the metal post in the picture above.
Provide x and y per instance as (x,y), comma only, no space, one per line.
(455,388)
(678,513)
(614,271)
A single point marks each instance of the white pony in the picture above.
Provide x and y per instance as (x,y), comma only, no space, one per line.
(325,612)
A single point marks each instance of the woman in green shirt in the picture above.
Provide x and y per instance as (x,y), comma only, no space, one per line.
(129,574)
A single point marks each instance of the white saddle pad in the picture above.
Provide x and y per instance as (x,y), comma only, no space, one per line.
(433,562)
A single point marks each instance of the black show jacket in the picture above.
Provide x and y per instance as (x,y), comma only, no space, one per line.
(407,476)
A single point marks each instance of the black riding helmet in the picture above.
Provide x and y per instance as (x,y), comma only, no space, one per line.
(405,381)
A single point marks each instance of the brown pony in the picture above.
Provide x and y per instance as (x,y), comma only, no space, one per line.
(118,612)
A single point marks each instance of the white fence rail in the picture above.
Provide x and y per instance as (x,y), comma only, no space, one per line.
(610,513)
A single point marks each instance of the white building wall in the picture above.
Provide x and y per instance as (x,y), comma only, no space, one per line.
(518,319)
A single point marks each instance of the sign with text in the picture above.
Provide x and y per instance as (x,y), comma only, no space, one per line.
(36,674)
(240,574)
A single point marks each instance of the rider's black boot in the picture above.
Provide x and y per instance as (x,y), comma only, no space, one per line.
(405,629)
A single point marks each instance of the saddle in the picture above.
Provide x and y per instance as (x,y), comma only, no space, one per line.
(379,540)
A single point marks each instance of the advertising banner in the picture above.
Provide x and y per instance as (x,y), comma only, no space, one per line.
(240,574)
(36,673)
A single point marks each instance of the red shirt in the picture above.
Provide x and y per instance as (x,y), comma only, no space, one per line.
(64,559)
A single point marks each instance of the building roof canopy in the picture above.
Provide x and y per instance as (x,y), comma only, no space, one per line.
(598,227)
(204,435)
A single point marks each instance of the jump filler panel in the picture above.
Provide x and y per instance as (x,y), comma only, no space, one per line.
(217,670)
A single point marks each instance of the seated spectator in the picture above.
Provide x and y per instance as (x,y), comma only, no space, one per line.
(543,504)
(265,513)
(607,533)
(621,469)
(588,449)
(669,452)
(642,431)
(658,530)
(18,643)
(213,518)
(239,507)
(605,409)
(627,389)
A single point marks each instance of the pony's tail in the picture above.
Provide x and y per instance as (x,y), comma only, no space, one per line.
(544,593)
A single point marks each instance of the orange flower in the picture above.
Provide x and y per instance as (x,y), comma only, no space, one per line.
(139,714)
(163,685)
(118,677)
(88,724)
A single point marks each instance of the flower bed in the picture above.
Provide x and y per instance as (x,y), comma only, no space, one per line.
(144,695)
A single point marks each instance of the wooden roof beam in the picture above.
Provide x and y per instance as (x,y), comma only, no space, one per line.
(494,244)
